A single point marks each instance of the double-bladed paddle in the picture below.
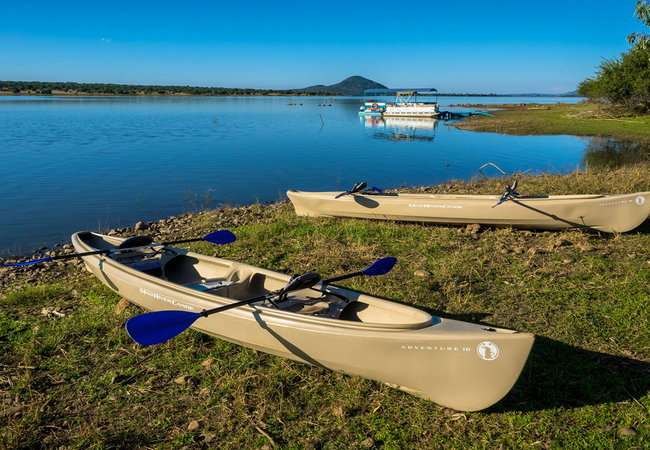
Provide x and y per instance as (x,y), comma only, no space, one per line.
(508,194)
(356,188)
(160,326)
(379,267)
(216,237)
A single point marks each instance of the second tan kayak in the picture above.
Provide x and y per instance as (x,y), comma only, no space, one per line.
(607,213)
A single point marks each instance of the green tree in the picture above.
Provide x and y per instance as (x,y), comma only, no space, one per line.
(642,12)
(625,81)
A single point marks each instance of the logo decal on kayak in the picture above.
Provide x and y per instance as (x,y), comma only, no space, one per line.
(488,350)
(622,201)
(171,301)
(437,348)
(425,205)
(640,200)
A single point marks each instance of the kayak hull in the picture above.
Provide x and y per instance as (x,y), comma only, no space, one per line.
(456,364)
(606,213)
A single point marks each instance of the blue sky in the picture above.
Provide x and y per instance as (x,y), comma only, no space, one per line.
(495,46)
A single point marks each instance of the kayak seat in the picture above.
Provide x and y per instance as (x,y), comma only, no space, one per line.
(210,285)
(308,308)
(149,263)
(329,306)
(150,267)
(232,289)
(136,241)
(180,269)
(183,269)
(352,312)
(256,285)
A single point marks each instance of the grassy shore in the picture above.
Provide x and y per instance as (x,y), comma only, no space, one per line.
(582,119)
(70,377)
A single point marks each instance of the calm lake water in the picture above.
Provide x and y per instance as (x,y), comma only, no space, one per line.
(90,163)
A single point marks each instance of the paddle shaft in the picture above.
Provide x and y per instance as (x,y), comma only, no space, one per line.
(95,252)
(379,267)
(118,250)
(178,242)
(206,313)
(295,284)
(53,258)
(508,194)
(356,188)
(343,277)
(103,252)
(219,309)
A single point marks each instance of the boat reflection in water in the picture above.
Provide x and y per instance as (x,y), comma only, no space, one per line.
(401,128)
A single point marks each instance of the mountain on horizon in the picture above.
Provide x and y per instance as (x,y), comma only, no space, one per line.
(351,86)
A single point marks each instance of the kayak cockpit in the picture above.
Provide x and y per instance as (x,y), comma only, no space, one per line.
(238,281)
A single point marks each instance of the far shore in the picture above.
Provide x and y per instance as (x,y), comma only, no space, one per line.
(273,94)
(142,94)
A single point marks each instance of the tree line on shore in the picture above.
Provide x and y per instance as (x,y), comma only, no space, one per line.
(49,87)
(624,83)
(72,88)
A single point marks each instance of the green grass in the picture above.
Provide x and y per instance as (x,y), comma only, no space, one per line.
(85,384)
(582,119)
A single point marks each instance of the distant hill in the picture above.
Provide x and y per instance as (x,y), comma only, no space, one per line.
(350,86)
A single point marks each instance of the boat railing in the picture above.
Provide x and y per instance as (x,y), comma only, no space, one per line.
(404,97)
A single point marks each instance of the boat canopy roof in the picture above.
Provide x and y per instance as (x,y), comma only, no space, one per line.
(402,91)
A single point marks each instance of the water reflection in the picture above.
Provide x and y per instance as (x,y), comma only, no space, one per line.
(402,128)
(603,152)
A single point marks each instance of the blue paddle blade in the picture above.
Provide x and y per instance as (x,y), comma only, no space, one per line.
(28,263)
(159,326)
(381,266)
(220,237)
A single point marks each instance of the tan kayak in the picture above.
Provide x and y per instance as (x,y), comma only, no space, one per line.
(608,213)
(456,364)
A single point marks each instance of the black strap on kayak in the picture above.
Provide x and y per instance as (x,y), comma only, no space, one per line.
(509,194)
(335,294)
(373,190)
